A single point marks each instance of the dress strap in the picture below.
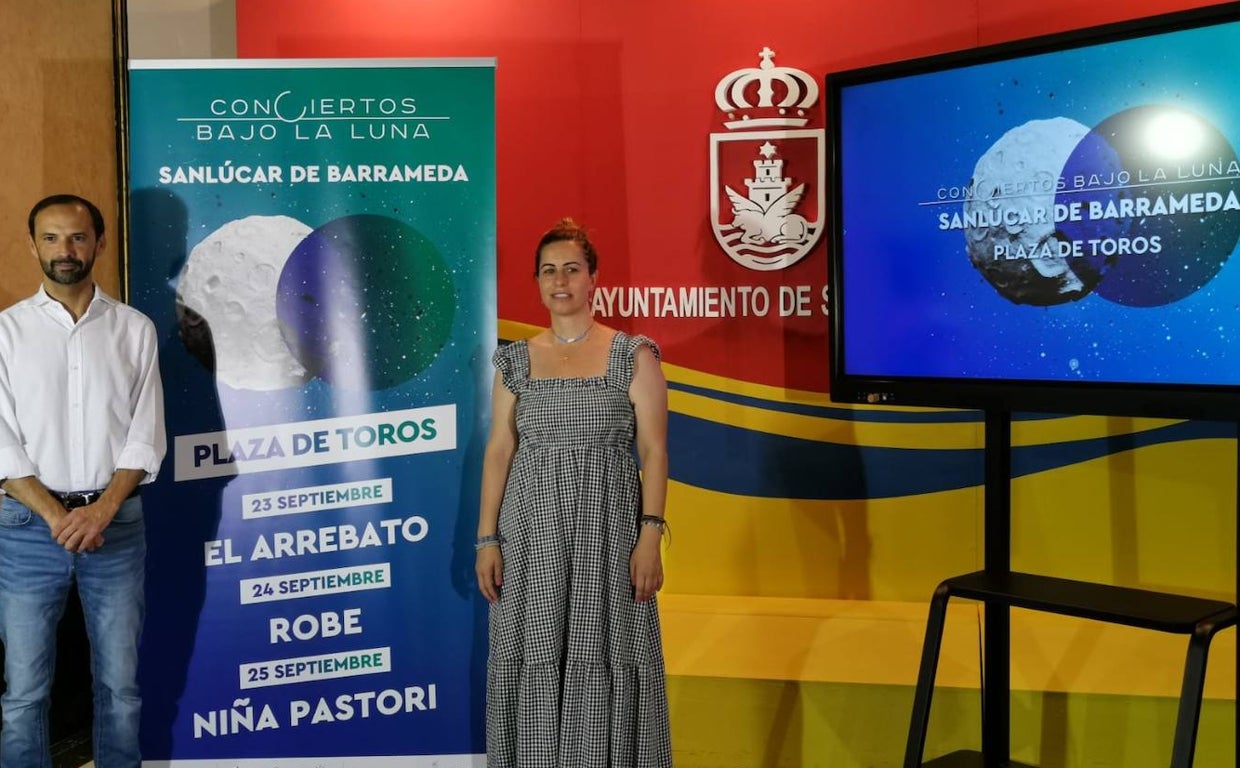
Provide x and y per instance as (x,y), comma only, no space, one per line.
(513,362)
(620,362)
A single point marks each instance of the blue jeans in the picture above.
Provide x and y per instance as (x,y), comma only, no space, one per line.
(35,574)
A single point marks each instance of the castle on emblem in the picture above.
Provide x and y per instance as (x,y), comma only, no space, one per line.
(767,108)
(768,183)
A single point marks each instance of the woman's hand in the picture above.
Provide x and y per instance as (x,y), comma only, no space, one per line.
(489,565)
(646,564)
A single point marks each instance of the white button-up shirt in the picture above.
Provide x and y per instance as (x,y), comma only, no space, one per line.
(79,401)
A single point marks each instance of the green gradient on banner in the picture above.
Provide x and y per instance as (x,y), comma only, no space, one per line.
(315,241)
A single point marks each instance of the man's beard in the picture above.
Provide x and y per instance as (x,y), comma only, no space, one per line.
(72,277)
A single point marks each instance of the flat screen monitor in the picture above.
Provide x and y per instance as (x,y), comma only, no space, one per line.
(1044,225)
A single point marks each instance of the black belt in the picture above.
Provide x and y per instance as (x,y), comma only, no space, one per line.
(82,498)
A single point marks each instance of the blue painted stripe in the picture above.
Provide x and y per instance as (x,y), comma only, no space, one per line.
(831,412)
(850,414)
(729,459)
(1031,459)
(739,461)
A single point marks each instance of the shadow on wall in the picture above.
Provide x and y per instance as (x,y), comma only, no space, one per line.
(837,544)
(176,582)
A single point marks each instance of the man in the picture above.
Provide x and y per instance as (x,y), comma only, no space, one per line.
(81,425)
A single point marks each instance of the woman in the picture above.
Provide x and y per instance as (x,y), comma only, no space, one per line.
(569,534)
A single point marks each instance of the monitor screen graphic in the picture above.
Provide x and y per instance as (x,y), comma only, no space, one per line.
(1046,224)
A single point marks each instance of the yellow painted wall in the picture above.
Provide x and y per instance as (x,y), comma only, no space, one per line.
(793,627)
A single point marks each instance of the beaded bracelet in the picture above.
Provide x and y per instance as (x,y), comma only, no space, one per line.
(654,521)
(493,540)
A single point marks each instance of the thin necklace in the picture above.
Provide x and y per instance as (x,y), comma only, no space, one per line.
(574,339)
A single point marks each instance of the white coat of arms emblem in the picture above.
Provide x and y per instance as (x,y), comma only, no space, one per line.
(767,172)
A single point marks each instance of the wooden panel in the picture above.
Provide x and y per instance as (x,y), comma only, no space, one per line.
(57,125)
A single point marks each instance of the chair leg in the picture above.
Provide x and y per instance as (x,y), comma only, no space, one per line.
(925,678)
(1191,692)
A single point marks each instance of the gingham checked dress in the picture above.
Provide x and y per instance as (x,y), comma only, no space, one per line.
(575,675)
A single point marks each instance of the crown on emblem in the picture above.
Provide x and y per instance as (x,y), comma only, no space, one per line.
(795,90)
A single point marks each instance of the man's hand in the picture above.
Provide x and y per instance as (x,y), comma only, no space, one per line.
(81,530)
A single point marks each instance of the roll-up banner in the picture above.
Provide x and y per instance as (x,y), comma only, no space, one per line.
(315,242)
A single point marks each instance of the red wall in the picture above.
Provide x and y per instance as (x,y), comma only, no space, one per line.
(604,110)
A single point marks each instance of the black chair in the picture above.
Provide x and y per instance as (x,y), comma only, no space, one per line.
(1199,618)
